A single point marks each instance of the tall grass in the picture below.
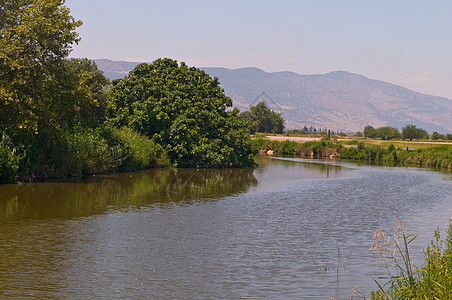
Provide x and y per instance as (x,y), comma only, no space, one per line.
(406,281)
(107,149)
(9,160)
(434,156)
(77,152)
(312,148)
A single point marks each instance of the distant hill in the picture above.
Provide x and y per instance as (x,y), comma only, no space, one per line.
(337,100)
(115,69)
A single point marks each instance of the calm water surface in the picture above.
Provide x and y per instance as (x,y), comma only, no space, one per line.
(291,229)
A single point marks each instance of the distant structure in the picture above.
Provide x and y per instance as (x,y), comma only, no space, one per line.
(264,97)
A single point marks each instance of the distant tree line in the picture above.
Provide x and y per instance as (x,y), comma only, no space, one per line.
(437,136)
(313,130)
(409,132)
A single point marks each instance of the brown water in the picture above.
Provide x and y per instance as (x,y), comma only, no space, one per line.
(212,234)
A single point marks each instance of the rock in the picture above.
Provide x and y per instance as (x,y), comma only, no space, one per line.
(270,152)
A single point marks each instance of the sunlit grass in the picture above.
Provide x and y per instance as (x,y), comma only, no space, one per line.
(403,279)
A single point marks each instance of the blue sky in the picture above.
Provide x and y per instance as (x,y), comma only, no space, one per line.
(408,43)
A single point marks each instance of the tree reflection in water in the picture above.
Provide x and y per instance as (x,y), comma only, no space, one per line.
(97,194)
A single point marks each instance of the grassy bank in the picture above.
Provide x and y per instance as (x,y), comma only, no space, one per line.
(434,156)
(77,152)
(321,148)
(406,281)
(410,154)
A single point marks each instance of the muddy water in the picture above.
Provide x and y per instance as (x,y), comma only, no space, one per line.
(292,228)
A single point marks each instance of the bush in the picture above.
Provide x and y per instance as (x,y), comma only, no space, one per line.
(9,161)
(108,149)
(92,153)
(352,153)
(404,279)
(139,152)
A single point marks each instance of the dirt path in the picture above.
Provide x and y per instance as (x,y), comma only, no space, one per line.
(292,138)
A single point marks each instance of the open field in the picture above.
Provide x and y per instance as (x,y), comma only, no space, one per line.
(397,144)
(300,139)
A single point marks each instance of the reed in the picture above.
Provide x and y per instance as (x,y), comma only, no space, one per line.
(403,279)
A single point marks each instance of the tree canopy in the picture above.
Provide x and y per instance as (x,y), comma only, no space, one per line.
(185,110)
(35,37)
(412,132)
(44,97)
(384,132)
(263,119)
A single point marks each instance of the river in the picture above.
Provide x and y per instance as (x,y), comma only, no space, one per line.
(290,229)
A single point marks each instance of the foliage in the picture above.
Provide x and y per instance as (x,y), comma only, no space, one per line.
(34,38)
(107,149)
(353,153)
(365,151)
(9,161)
(412,132)
(437,136)
(263,119)
(321,148)
(384,133)
(295,132)
(369,132)
(92,152)
(184,110)
(406,281)
(78,100)
(434,156)
(53,109)
(140,151)
(85,86)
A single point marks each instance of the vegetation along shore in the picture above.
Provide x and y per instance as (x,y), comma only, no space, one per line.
(403,279)
(396,153)
(62,117)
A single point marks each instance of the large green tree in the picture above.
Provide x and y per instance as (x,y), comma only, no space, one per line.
(186,111)
(384,133)
(369,132)
(263,119)
(43,95)
(412,132)
(35,37)
(84,88)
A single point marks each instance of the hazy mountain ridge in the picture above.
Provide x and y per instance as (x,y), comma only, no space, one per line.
(115,69)
(337,100)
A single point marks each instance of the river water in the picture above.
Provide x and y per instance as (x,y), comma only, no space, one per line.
(290,229)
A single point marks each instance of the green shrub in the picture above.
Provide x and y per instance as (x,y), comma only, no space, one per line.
(108,149)
(139,151)
(288,147)
(9,161)
(92,153)
(406,281)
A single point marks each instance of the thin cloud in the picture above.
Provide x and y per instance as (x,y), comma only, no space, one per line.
(195,47)
(424,77)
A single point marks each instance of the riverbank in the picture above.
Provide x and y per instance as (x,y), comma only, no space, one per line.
(405,280)
(434,155)
(78,152)
(311,148)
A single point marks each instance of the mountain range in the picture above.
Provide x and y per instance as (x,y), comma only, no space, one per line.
(337,100)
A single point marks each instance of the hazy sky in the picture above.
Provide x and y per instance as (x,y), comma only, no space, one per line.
(405,42)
